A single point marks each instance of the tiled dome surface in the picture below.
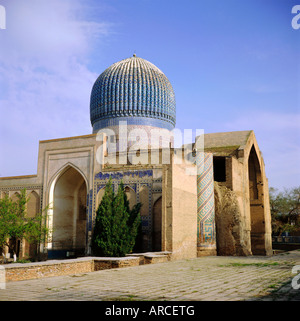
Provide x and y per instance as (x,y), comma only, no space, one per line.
(134,90)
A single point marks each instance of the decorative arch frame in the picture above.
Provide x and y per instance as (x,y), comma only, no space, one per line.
(50,197)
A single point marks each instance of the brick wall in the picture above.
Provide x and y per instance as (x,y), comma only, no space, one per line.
(26,271)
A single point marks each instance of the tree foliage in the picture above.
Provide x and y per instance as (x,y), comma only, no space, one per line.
(285,210)
(16,225)
(116,227)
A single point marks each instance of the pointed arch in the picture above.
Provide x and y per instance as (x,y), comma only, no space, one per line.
(14,196)
(33,208)
(33,205)
(67,216)
(131,195)
(16,242)
(157,225)
(100,195)
(3,194)
(144,200)
(60,172)
(256,200)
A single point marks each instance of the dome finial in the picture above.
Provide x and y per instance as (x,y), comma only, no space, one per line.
(134,55)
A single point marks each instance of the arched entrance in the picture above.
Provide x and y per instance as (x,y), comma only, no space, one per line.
(157,225)
(69,196)
(257,217)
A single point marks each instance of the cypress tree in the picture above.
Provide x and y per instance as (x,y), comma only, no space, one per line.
(116,226)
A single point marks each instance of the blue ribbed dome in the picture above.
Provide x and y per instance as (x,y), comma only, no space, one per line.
(134,90)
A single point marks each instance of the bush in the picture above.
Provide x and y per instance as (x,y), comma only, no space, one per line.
(16,225)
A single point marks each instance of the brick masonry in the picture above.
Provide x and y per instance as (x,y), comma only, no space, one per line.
(27,271)
(36,270)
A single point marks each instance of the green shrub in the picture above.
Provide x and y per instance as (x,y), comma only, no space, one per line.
(116,227)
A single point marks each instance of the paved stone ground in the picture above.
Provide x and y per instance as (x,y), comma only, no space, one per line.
(202,279)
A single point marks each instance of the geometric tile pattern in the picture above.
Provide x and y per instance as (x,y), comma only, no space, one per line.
(135,179)
(132,88)
(206,232)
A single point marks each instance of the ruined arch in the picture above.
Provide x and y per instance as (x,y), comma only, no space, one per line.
(256,200)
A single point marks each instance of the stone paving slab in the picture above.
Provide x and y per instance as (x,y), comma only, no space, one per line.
(201,279)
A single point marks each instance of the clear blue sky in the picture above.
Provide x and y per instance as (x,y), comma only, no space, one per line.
(234,65)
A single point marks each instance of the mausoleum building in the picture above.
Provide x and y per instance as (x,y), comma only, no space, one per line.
(209,197)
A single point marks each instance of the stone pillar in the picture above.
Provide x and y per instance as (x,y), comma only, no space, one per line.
(206,231)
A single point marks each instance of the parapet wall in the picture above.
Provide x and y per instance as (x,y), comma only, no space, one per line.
(36,270)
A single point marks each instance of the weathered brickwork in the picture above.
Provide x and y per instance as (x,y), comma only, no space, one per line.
(26,271)
(36,270)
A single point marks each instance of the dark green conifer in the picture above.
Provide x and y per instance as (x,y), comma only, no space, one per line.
(116,226)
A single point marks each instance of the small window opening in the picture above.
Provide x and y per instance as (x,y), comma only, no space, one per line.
(219,169)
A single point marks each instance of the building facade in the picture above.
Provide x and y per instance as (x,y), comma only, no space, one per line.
(133,115)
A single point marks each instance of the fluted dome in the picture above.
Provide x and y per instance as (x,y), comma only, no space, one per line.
(134,90)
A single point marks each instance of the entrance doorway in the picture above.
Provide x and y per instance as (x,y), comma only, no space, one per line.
(69,214)
(256,205)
